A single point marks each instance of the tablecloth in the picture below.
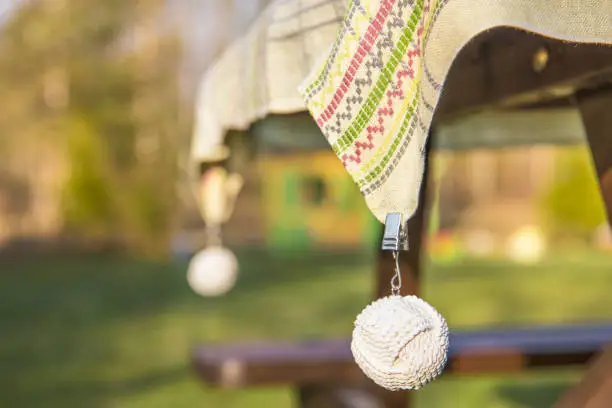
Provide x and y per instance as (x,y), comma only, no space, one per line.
(260,73)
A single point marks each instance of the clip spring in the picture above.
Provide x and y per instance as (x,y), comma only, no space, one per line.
(395,237)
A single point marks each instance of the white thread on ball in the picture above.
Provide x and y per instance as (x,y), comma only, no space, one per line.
(400,343)
(213,271)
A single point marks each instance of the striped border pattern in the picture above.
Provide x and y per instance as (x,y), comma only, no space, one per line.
(366,98)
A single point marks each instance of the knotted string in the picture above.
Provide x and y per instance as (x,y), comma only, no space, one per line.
(396,281)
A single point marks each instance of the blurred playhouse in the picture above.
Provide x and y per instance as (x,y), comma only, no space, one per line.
(297,195)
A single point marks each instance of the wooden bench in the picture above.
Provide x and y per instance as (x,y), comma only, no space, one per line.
(495,70)
(471,352)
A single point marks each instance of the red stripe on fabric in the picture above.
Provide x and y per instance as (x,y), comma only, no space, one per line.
(392,95)
(364,47)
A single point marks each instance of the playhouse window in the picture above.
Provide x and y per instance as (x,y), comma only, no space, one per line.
(314,191)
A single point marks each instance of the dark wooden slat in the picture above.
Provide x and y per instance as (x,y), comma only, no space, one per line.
(595,388)
(471,352)
(596,110)
(496,68)
(535,340)
(512,128)
(501,351)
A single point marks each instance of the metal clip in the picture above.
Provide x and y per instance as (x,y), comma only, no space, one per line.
(395,237)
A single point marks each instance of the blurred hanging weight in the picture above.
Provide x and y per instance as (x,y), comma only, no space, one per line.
(213,271)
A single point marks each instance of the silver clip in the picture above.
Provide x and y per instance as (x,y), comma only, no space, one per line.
(395,237)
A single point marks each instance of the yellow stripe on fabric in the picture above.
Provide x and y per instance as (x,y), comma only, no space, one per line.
(319,100)
(378,91)
(394,141)
(412,88)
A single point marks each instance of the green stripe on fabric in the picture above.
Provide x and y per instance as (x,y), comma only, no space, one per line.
(373,101)
(377,171)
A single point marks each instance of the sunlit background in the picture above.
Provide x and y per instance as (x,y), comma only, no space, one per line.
(98,219)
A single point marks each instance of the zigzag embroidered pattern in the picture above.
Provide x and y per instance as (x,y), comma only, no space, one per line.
(356,128)
(367,74)
(396,92)
(365,45)
(396,82)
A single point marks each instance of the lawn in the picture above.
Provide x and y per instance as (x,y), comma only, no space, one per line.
(89,333)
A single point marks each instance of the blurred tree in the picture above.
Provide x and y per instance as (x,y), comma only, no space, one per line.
(572,206)
(98,80)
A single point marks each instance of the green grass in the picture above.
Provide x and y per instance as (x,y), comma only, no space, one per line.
(114,333)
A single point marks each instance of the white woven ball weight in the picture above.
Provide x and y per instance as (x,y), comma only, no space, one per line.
(401,343)
(213,271)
